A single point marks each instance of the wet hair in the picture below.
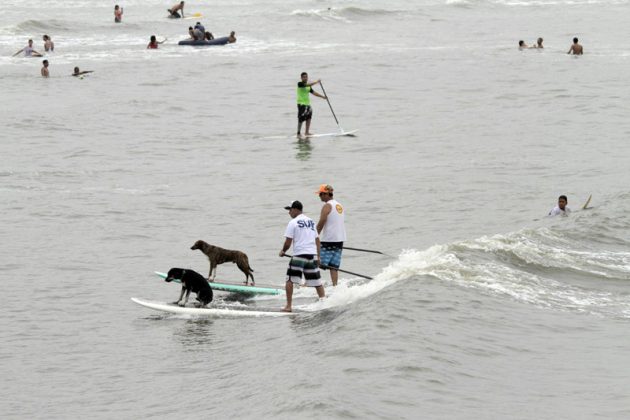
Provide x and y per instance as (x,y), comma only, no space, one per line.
(520,43)
(30,40)
(539,40)
(116,7)
(190,28)
(46,37)
(232,33)
(303,74)
(575,40)
(76,70)
(563,197)
(45,62)
(153,38)
(181,2)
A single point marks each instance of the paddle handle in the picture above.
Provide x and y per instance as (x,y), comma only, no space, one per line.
(364,250)
(338,269)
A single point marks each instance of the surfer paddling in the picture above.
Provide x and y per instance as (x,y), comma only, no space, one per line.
(561,208)
(77,72)
(305,112)
(174,11)
(302,234)
(332,230)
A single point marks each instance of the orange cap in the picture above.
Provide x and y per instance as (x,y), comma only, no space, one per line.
(325,188)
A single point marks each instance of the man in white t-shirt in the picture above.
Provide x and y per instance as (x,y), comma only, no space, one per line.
(561,208)
(332,231)
(302,234)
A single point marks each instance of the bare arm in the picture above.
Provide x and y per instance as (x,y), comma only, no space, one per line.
(286,246)
(319,245)
(323,217)
(319,95)
(162,41)
(18,52)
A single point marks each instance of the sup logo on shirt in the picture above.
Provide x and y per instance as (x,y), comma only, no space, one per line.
(306,224)
(339,208)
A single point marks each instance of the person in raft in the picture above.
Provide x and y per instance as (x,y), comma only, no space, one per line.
(301,233)
(153,43)
(305,112)
(118,12)
(174,11)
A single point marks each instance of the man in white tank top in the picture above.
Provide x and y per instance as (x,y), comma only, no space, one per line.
(332,231)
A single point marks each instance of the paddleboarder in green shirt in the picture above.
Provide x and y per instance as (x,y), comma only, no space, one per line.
(305,113)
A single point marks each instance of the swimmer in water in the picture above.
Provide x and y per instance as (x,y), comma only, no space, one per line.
(232,37)
(153,44)
(44,70)
(48,44)
(522,45)
(576,48)
(118,12)
(78,72)
(539,43)
(28,50)
(561,208)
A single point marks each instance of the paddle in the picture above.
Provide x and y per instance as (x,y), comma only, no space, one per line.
(585,206)
(365,250)
(338,269)
(331,108)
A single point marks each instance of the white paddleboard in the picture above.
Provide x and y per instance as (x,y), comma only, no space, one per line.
(337,134)
(218,312)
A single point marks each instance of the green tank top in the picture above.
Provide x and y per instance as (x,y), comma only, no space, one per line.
(303,95)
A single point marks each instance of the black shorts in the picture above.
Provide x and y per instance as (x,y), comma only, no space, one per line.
(305,112)
(174,14)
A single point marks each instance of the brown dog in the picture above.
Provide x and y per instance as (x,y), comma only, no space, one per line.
(218,256)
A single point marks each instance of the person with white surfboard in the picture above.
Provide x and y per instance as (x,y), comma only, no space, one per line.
(332,231)
(561,209)
(305,112)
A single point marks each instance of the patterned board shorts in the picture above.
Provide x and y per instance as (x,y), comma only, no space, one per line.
(307,265)
(305,113)
(331,256)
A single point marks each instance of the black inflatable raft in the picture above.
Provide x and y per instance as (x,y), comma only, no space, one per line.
(201,43)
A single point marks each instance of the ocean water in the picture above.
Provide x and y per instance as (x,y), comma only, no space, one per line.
(483,308)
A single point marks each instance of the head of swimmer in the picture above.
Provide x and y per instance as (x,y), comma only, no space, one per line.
(539,41)
(153,39)
(30,42)
(304,77)
(562,202)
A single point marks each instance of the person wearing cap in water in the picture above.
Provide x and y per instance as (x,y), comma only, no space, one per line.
(332,229)
(561,208)
(301,233)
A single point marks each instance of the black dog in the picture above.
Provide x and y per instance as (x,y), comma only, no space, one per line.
(191,282)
